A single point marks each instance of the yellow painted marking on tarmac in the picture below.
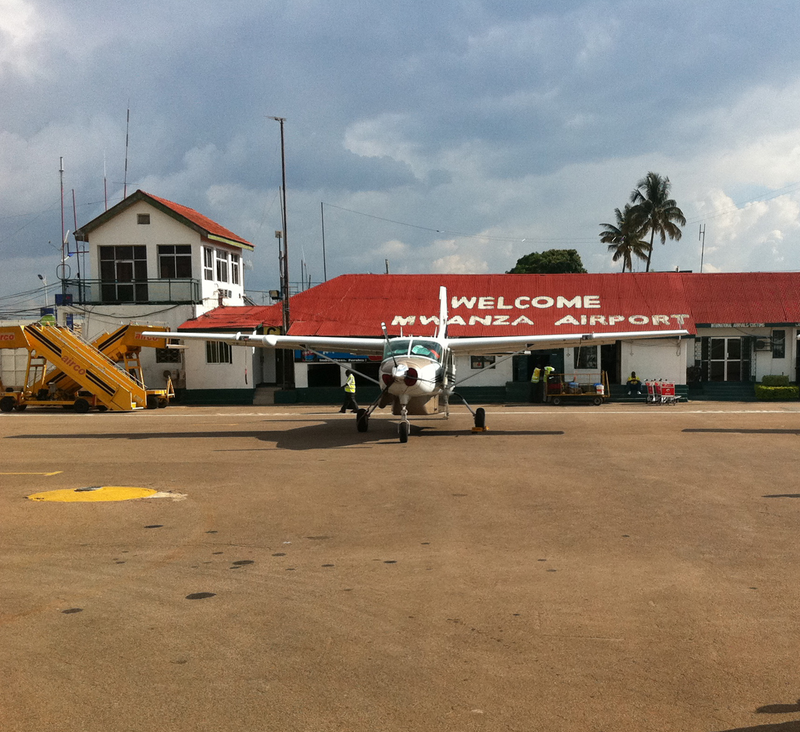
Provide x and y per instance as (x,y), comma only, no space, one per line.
(45,474)
(102,493)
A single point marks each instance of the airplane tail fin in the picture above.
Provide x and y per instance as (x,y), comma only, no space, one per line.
(441,331)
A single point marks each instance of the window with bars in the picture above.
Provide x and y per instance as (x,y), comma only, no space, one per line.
(778,344)
(586,357)
(217,352)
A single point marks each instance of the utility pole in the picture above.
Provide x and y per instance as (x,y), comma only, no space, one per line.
(288,381)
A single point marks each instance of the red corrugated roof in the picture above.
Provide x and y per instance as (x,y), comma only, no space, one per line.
(482,305)
(238,317)
(212,227)
(188,216)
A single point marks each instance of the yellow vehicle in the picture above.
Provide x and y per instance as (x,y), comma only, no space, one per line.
(63,370)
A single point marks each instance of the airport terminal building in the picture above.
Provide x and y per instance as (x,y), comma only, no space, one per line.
(742,326)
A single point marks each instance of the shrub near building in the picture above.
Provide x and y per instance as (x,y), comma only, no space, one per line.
(776,387)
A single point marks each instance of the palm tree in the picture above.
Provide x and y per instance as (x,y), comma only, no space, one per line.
(658,210)
(625,238)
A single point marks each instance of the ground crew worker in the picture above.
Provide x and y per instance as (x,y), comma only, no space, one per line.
(634,384)
(535,377)
(548,370)
(350,393)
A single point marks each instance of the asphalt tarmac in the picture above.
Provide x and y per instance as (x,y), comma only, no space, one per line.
(616,568)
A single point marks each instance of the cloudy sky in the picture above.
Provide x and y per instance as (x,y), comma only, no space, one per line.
(451,136)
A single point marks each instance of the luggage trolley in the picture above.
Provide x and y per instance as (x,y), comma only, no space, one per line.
(592,387)
(662,392)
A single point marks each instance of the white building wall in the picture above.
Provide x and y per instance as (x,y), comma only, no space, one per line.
(497,376)
(202,375)
(123,230)
(659,358)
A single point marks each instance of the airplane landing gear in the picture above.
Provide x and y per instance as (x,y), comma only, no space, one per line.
(404,427)
(362,420)
(480,419)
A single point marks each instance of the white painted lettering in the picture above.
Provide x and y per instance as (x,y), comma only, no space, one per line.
(501,304)
(679,318)
(597,320)
(485,303)
(567,320)
(542,302)
(522,320)
(425,319)
(518,302)
(639,319)
(483,320)
(400,320)
(456,320)
(562,302)
(661,320)
(591,301)
(467,302)
(614,319)
(500,320)
(583,320)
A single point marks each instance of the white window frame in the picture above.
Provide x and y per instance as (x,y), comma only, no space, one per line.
(235,269)
(218,352)
(208,264)
(222,265)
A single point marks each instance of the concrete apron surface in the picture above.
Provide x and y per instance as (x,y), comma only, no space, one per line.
(616,568)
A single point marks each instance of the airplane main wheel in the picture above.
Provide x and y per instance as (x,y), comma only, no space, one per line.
(403,431)
(480,418)
(7,404)
(81,405)
(362,420)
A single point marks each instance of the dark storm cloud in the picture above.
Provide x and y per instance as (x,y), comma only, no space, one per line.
(490,117)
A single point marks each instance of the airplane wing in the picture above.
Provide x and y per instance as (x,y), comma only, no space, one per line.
(368,346)
(513,344)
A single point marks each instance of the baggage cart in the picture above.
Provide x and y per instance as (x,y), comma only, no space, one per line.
(588,387)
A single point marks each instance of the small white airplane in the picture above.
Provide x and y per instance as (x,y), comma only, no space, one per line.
(416,371)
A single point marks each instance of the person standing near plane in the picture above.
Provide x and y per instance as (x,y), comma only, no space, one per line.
(350,393)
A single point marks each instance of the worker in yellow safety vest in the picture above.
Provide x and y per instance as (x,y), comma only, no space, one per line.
(350,393)
(535,376)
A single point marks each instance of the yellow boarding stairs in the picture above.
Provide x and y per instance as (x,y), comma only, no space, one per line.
(81,376)
(124,346)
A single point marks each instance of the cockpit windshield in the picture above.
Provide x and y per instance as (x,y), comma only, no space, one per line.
(413,347)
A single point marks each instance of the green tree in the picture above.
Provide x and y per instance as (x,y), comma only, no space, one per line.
(658,210)
(625,238)
(550,261)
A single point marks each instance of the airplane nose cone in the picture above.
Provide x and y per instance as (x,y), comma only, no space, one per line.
(400,371)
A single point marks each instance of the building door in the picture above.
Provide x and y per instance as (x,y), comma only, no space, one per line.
(726,359)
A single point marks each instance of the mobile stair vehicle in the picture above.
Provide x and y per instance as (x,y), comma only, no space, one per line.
(64,370)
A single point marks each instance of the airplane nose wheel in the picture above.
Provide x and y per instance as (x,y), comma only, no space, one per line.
(362,420)
(480,418)
(404,426)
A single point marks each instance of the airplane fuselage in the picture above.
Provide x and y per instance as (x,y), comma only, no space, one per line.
(415,369)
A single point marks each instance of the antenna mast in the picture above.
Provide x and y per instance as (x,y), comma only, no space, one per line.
(702,238)
(125,180)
